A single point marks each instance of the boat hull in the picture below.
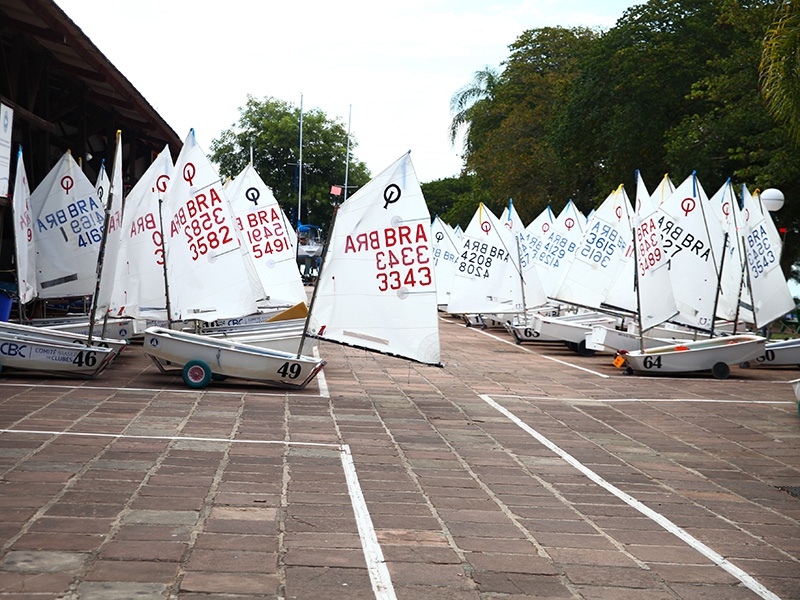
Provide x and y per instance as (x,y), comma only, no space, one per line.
(283,336)
(172,350)
(116,328)
(32,352)
(61,336)
(702,355)
(784,353)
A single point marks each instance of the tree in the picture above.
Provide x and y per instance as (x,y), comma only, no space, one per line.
(466,103)
(271,128)
(780,67)
(511,118)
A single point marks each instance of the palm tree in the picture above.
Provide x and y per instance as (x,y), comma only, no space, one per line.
(780,67)
(481,88)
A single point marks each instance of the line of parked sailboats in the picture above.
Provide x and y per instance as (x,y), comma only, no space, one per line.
(204,272)
(676,282)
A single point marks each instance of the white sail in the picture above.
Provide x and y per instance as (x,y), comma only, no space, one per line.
(559,246)
(623,293)
(725,208)
(770,291)
(601,252)
(690,241)
(25,251)
(67,229)
(376,288)
(113,233)
(267,237)
(769,225)
(138,289)
(445,258)
(532,241)
(487,279)
(206,274)
(521,247)
(654,285)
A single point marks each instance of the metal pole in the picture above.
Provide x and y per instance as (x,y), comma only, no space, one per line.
(347,159)
(300,165)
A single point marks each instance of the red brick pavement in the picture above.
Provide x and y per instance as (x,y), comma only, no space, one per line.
(465,504)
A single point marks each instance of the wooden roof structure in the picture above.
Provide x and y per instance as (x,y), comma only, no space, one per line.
(66,95)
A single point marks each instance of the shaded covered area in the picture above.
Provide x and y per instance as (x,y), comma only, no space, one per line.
(67,96)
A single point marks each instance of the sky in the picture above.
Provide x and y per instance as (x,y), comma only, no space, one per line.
(386,69)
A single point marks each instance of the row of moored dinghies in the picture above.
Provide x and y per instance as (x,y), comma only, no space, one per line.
(205,273)
(702,274)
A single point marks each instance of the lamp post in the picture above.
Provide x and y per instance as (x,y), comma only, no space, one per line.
(773,199)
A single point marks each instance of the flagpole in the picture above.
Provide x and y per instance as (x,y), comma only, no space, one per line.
(300,166)
(347,159)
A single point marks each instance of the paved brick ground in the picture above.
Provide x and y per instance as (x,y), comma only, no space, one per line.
(242,492)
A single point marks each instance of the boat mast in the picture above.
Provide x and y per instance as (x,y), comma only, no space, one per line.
(347,159)
(300,166)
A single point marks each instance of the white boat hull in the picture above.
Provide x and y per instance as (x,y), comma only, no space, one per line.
(60,336)
(33,352)
(283,336)
(702,355)
(172,350)
(116,328)
(609,339)
(784,353)
(526,332)
(573,330)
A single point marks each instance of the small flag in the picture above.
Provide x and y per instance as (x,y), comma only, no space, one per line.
(336,190)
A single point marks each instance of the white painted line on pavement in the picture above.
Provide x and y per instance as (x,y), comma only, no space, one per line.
(523,348)
(376,565)
(157,390)
(610,400)
(692,541)
(321,381)
(171,438)
(577,367)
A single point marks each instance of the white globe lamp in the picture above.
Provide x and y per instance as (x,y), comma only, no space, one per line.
(772,199)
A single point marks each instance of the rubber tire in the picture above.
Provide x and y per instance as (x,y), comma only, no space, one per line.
(196,374)
(572,346)
(583,350)
(720,370)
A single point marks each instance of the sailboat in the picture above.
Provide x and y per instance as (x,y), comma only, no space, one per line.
(29,348)
(138,288)
(769,291)
(445,259)
(271,244)
(487,279)
(587,278)
(207,279)
(376,287)
(116,331)
(714,354)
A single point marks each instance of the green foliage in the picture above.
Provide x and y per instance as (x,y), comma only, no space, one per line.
(508,141)
(271,128)
(672,87)
(442,194)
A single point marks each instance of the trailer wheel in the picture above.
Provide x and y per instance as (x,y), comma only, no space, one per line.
(720,370)
(583,350)
(196,374)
